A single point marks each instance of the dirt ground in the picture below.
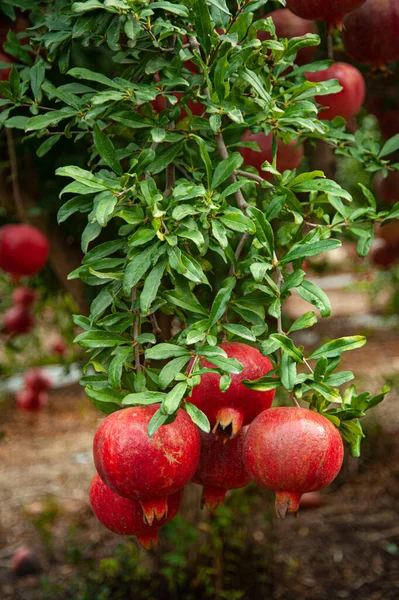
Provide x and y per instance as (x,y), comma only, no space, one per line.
(346,548)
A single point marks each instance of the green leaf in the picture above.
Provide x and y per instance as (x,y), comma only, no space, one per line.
(330,394)
(288,346)
(307,320)
(177,9)
(205,158)
(229,365)
(86,74)
(264,231)
(96,338)
(352,432)
(221,301)
(320,368)
(336,347)
(202,24)
(165,157)
(105,204)
(234,219)
(263,384)
(239,331)
(49,119)
(169,371)
(143,398)
(116,366)
(151,286)
(162,351)
(269,346)
(136,269)
(225,169)
(157,420)
(107,400)
(390,146)
(312,293)
(173,399)
(186,301)
(197,417)
(83,176)
(287,371)
(106,150)
(309,249)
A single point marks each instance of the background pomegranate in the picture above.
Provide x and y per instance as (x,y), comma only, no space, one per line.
(196,108)
(371,33)
(24,562)
(385,107)
(387,188)
(292,451)
(239,405)
(148,469)
(331,11)
(289,156)
(288,26)
(125,515)
(346,103)
(220,467)
(31,401)
(23,249)
(24,296)
(17,320)
(37,380)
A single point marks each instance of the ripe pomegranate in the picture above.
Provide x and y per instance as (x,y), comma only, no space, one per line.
(289,156)
(239,405)
(125,515)
(17,320)
(292,451)
(147,469)
(384,255)
(389,233)
(220,467)
(387,188)
(59,347)
(349,100)
(385,107)
(371,33)
(24,562)
(23,249)
(288,26)
(5,73)
(24,296)
(31,401)
(37,380)
(319,10)
(196,108)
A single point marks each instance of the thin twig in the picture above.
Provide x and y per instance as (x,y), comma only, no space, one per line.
(155,325)
(16,190)
(330,45)
(249,175)
(280,281)
(238,251)
(136,331)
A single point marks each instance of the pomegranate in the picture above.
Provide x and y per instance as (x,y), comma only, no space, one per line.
(125,515)
(288,26)
(292,451)
(37,380)
(389,233)
(24,296)
(220,467)
(17,320)
(23,249)
(385,107)
(384,255)
(371,33)
(319,10)
(195,107)
(239,405)
(148,469)
(31,401)
(59,347)
(289,156)
(24,562)
(349,100)
(387,188)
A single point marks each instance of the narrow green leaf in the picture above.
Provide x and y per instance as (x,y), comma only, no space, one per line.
(106,150)
(151,286)
(197,417)
(307,320)
(336,347)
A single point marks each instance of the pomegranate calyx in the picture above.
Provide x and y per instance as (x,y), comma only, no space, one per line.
(228,418)
(287,503)
(212,497)
(154,509)
(149,540)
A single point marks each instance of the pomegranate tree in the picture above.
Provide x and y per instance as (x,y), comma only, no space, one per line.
(292,451)
(220,467)
(289,156)
(23,249)
(146,469)
(289,25)
(320,10)
(349,101)
(371,33)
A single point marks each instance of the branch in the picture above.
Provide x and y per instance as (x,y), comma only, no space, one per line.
(238,251)
(155,326)
(280,281)
(16,190)
(223,152)
(249,175)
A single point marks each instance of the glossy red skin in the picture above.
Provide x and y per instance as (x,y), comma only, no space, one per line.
(288,26)
(196,108)
(125,515)
(292,451)
(289,156)
(239,405)
(371,33)
(387,188)
(149,469)
(331,11)
(349,101)
(23,249)
(385,107)
(24,296)
(17,320)
(220,467)
(29,400)
(37,380)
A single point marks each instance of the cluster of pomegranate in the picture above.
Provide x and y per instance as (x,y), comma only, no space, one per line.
(23,252)
(34,395)
(139,482)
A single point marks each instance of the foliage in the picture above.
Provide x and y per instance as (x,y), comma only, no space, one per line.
(196,232)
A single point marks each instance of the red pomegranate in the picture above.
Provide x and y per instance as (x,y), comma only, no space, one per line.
(384,255)
(288,26)
(125,515)
(23,249)
(5,72)
(371,33)
(385,107)
(31,401)
(24,296)
(319,10)
(58,347)
(349,100)
(387,188)
(148,469)
(289,156)
(292,451)
(24,562)
(196,108)
(37,380)
(220,467)
(17,320)
(239,405)
(389,233)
